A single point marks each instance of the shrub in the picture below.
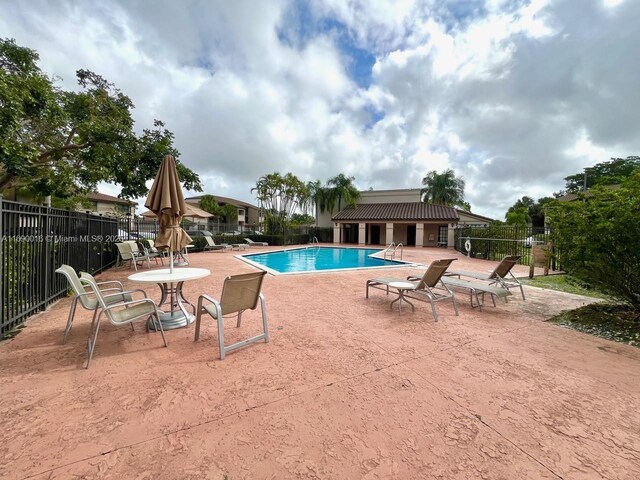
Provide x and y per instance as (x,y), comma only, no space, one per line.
(600,239)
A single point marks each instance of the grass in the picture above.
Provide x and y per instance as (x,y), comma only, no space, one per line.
(611,321)
(564,283)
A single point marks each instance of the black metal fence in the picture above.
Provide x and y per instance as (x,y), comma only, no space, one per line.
(495,242)
(35,240)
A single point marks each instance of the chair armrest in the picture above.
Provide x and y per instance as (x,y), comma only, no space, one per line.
(126,291)
(208,298)
(117,282)
(132,302)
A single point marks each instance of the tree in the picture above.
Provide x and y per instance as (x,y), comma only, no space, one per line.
(229,213)
(443,189)
(612,172)
(598,239)
(527,211)
(60,143)
(340,188)
(209,204)
(279,197)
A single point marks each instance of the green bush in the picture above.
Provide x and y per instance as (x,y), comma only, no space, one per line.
(599,238)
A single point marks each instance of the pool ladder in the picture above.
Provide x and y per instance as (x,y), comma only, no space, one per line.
(391,250)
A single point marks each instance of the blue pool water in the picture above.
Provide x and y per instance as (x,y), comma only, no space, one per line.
(313,259)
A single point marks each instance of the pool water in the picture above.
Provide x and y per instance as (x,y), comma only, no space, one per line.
(314,259)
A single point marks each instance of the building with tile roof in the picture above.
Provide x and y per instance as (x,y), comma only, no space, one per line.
(384,216)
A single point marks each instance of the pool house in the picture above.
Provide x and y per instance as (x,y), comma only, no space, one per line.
(385,216)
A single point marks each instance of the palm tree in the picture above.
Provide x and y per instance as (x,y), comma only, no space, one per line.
(341,188)
(443,189)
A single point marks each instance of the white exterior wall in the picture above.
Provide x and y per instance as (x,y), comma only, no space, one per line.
(390,196)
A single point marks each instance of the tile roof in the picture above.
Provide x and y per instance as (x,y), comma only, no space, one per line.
(397,211)
(103,197)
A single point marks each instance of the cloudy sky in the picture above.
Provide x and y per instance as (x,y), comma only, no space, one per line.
(513,95)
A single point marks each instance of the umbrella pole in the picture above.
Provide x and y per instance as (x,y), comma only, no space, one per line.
(170,261)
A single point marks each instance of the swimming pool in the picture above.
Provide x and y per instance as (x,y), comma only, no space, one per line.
(315,259)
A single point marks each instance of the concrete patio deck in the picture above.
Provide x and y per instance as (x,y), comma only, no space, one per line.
(346,389)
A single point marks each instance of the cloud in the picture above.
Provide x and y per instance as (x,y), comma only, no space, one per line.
(512,94)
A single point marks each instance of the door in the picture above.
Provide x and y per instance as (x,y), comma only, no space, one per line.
(375,234)
(411,235)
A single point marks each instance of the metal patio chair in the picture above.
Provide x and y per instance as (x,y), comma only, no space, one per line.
(239,293)
(120,314)
(87,299)
(501,276)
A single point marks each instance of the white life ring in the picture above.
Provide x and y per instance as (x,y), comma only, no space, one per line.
(467,245)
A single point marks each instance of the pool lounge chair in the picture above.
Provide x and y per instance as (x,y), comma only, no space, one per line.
(429,288)
(251,243)
(501,276)
(212,245)
(239,293)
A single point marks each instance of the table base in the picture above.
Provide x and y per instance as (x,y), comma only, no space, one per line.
(173,320)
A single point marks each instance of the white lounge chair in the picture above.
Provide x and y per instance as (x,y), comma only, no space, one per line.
(251,243)
(212,245)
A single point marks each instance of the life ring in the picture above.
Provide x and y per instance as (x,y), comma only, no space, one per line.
(467,245)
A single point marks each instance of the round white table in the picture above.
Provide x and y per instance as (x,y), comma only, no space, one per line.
(402,286)
(171,289)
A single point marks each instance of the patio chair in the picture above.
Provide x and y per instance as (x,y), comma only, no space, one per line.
(212,245)
(428,288)
(239,293)
(120,314)
(500,276)
(125,254)
(112,295)
(142,252)
(251,243)
(150,249)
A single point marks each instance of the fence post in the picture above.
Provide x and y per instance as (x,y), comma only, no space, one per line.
(2,257)
(45,259)
(86,256)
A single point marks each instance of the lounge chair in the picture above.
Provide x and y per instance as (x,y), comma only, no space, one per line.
(501,276)
(212,245)
(120,314)
(251,243)
(111,295)
(428,288)
(239,293)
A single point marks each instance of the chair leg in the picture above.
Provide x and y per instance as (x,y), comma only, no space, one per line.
(433,309)
(220,321)
(198,319)
(455,305)
(92,344)
(265,324)
(159,325)
(72,313)
(239,319)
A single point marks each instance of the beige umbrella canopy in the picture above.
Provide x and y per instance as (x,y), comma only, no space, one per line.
(167,202)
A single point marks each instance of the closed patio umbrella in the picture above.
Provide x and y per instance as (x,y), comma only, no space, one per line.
(167,202)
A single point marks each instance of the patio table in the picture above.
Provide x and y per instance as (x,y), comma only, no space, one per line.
(402,286)
(171,290)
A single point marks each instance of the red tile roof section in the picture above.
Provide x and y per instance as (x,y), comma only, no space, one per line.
(397,211)
(103,197)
